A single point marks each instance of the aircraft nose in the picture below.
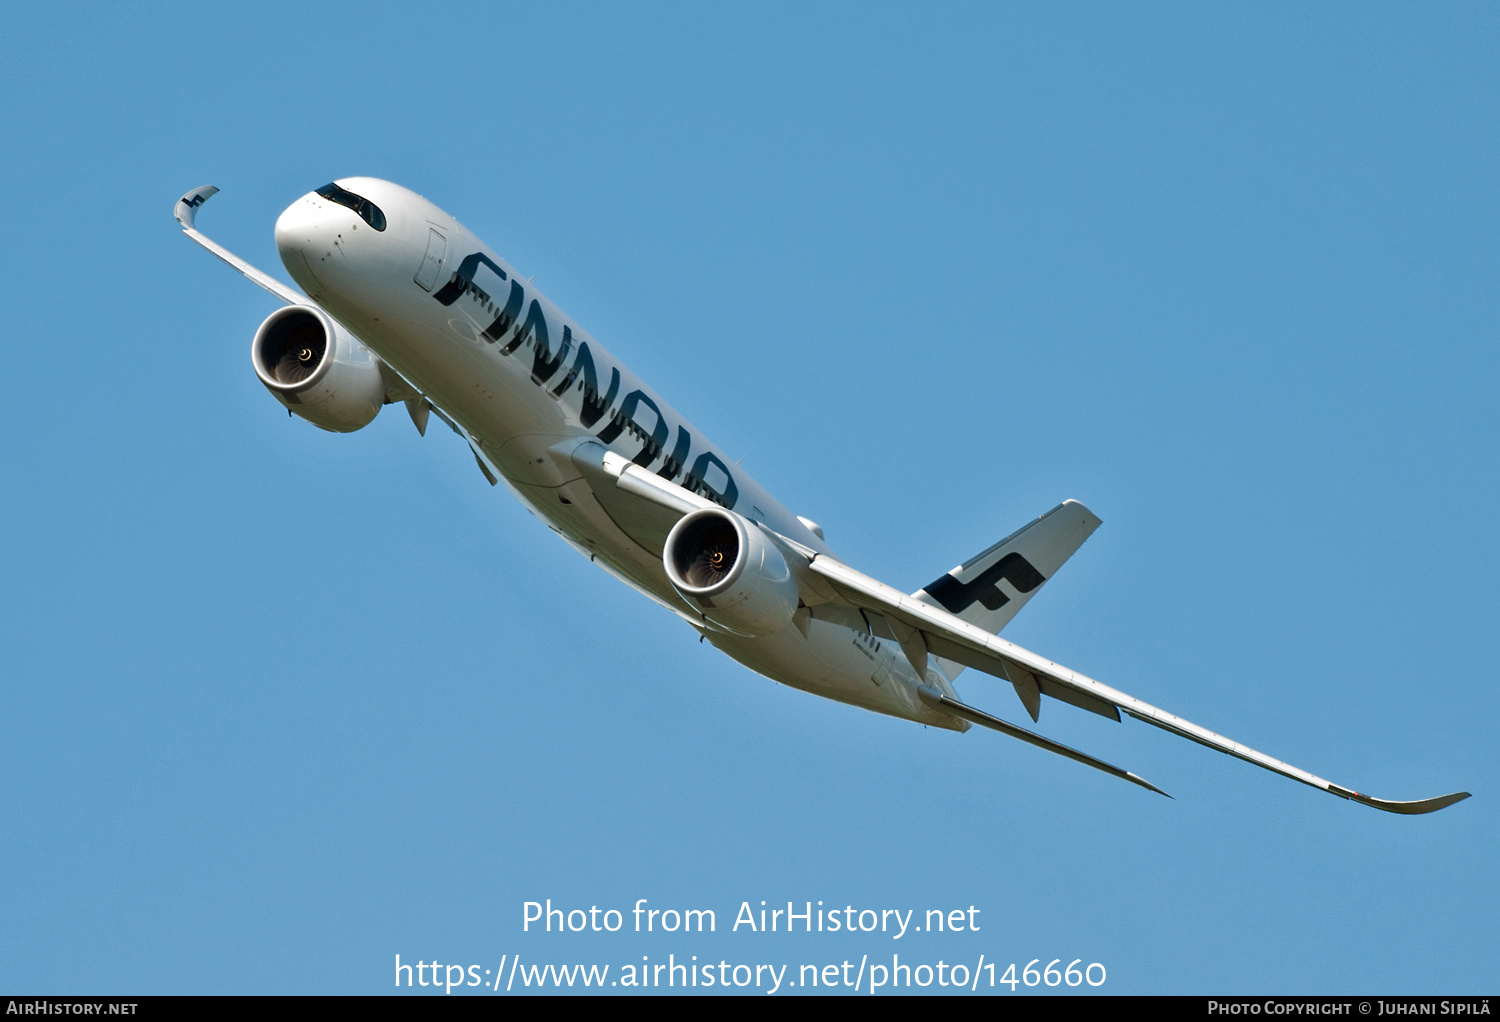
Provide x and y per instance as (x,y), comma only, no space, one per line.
(303,228)
(305,238)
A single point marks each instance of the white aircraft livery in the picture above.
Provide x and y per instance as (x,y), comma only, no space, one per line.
(400,302)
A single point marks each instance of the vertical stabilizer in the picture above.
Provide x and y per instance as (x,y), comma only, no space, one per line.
(988,589)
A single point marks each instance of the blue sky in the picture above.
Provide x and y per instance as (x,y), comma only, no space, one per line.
(278,705)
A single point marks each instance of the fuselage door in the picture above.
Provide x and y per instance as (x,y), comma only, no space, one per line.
(432,262)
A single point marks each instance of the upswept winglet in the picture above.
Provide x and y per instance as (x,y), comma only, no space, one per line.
(186,212)
(1421,806)
(922,629)
(946,635)
(187,206)
(397,387)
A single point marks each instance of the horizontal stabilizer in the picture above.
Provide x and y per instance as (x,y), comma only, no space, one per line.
(948,636)
(936,699)
(922,625)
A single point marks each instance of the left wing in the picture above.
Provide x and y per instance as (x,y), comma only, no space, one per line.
(923,629)
(945,635)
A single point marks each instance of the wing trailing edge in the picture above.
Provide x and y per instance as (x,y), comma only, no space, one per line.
(922,628)
(186,212)
(947,635)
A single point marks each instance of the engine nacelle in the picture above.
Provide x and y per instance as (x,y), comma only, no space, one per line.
(727,568)
(318,369)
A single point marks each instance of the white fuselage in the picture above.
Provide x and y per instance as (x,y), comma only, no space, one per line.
(529,386)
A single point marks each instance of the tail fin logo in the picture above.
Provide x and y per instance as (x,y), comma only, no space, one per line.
(957,597)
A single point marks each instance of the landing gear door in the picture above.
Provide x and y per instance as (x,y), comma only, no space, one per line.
(432,262)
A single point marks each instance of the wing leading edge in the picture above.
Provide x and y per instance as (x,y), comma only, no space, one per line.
(186,212)
(922,629)
(947,636)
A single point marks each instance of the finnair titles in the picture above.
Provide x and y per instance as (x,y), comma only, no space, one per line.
(399,302)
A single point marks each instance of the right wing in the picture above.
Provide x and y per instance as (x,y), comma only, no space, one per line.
(397,387)
(186,213)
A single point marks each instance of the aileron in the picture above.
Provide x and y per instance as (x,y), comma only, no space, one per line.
(945,635)
(609,465)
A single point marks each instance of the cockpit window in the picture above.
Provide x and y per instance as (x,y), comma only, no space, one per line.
(367,210)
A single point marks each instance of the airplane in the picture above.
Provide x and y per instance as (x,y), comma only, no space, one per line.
(402,303)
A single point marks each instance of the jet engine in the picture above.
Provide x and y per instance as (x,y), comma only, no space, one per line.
(729,569)
(318,369)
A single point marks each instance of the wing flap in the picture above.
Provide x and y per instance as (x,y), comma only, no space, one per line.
(948,636)
(1019,675)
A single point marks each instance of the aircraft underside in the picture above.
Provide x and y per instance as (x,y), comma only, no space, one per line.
(403,304)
